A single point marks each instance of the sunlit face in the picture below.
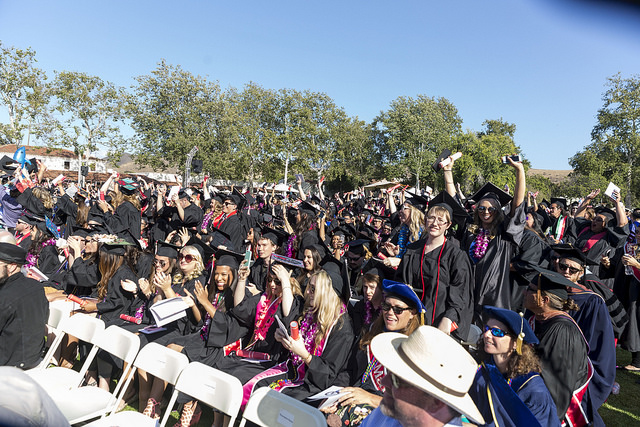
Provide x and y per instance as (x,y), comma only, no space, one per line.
(222,277)
(354,261)
(310,291)
(486,212)
(376,223)
(90,245)
(396,321)
(337,242)
(274,284)
(265,248)
(530,220)
(308,260)
(437,224)
(22,227)
(598,223)
(554,210)
(188,260)
(162,263)
(498,345)
(569,269)
(530,298)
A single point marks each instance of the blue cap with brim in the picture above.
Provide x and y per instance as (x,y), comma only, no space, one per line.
(405,293)
(515,322)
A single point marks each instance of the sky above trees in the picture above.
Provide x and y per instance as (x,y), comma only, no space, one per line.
(540,65)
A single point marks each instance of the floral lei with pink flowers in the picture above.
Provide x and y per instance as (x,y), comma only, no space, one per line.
(32,260)
(369,311)
(479,248)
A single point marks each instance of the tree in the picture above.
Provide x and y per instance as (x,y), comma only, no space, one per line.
(23,92)
(357,161)
(412,133)
(613,152)
(90,113)
(172,110)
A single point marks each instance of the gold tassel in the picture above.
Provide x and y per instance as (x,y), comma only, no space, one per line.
(520,338)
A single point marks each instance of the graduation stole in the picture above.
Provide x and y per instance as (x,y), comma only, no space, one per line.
(592,240)
(375,370)
(265,315)
(560,228)
(21,238)
(217,222)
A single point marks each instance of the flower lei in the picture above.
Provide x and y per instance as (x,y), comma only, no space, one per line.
(205,221)
(289,245)
(32,260)
(309,329)
(140,311)
(369,310)
(204,331)
(480,244)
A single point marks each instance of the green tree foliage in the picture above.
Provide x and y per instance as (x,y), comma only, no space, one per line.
(412,133)
(357,161)
(614,150)
(89,113)
(23,93)
(172,110)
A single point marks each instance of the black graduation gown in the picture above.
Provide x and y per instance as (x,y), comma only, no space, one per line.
(492,273)
(594,321)
(323,370)
(245,313)
(82,278)
(66,212)
(24,311)
(568,234)
(627,289)
(125,217)
(308,238)
(234,229)
(443,279)
(617,312)
(48,262)
(117,301)
(614,238)
(563,356)
(258,274)
(531,253)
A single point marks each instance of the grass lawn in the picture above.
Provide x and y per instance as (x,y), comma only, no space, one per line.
(623,409)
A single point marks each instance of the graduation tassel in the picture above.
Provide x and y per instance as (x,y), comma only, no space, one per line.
(520,338)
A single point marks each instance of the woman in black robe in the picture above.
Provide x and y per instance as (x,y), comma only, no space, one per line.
(321,351)
(127,214)
(441,273)
(492,240)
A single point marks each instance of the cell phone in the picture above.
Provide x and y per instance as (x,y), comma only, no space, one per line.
(247,258)
(282,327)
(515,158)
(102,196)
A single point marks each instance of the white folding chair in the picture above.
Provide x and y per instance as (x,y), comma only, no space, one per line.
(156,360)
(85,328)
(58,310)
(211,387)
(267,407)
(84,403)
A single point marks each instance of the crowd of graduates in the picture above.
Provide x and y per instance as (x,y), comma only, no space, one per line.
(539,292)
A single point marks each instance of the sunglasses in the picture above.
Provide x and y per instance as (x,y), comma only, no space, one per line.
(187,258)
(397,382)
(274,280)
(161,262)
(496,332)
(491,209)
(229,204)
(397,310)
(564,267)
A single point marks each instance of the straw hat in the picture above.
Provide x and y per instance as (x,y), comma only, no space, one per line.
(432,361)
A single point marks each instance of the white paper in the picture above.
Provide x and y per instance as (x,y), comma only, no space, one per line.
(174,191)
(36,274)
(282,327)
(169,310)
(610,189)
(285,418)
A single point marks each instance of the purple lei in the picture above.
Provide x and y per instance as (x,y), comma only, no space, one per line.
(481,244)
(308,330)
(369,310)
(289,245)
(32,260)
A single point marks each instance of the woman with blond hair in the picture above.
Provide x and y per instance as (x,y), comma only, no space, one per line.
(411,229)
(322,347)
(124,211)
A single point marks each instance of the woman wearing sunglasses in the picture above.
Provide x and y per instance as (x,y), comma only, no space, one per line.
(508,388)
(493,238)
(401,311)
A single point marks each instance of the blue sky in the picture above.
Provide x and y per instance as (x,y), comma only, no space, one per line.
(540,64)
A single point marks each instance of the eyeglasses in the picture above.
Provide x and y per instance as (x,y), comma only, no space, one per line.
(187,258)
(482,209)
(161,262)
(397,382)
(440,221)
(496,332)
(229,204)
(397,310)
(563,267)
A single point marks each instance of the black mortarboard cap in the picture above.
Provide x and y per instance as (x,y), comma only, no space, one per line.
(458,214)
(560,202)
(278,237)
(339,279)
(318,201)
(234,198)
(182,194)
(417,201)
(167,249)
(308,208)
(241,200)
(348,230)
(286,261)
(436,165)
(115,246)
(609,214)
(206,251)
(8,165)
(220,238)
(568,251)
(228,258)
(33,166)
(552,282)
(79,231)
(357,246)
(544,202)
(490,191)
(128,186)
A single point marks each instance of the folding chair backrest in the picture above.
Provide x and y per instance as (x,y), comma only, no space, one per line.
(267,407)
(120,343)
(161,362)
(56,314)
(211,387)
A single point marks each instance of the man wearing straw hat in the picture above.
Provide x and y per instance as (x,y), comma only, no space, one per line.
(428,378)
